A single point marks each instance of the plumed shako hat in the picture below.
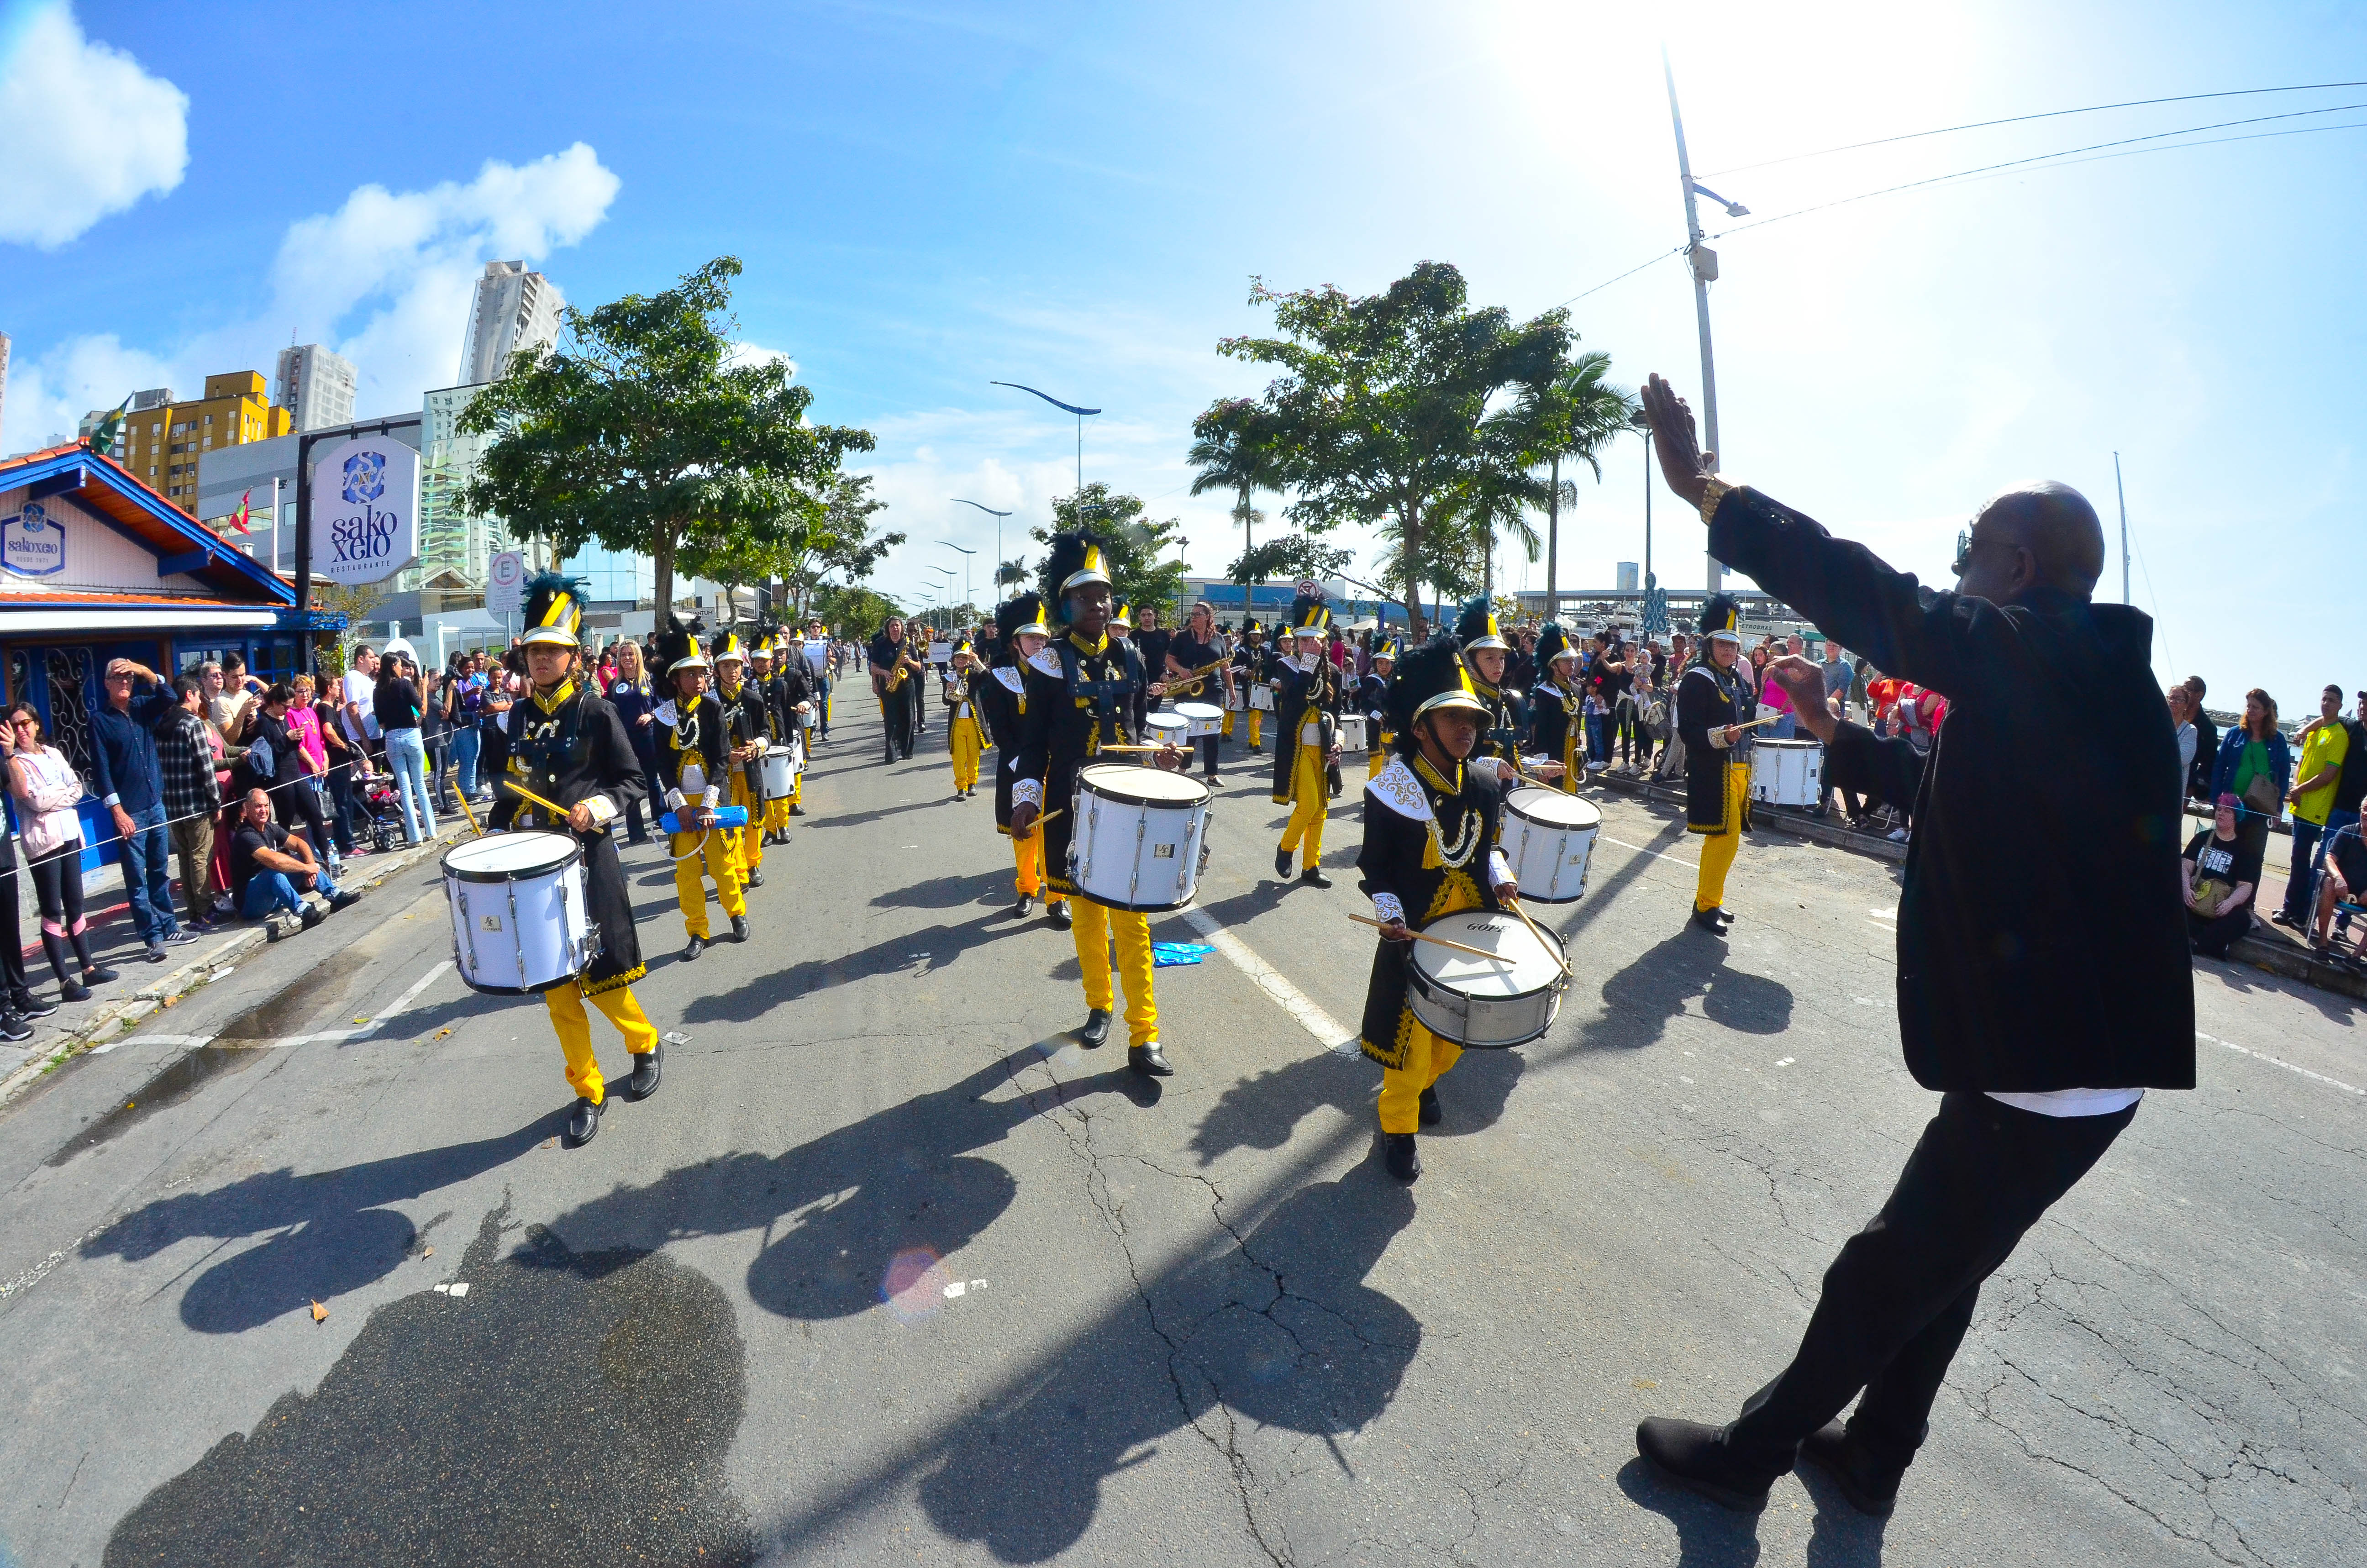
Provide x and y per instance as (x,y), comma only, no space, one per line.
(554,611)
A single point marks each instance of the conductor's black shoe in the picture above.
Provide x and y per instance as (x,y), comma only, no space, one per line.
(697,945)
(1024,907)
(795,811)
(1708,921)
(1399,1156)
(1149,1061)
(1095,1034)
(585,1125)
(756,876)
(1314,878)
(646,1068)
(739,928)
(1058,912)
(1281,861)
(1694,1456)
(1870,1484)
(1431,1113)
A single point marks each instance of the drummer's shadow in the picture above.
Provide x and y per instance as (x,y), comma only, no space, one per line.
(1638,1001)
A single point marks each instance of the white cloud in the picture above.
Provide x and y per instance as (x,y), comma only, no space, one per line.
(84,131)
(385,279)
(756,354)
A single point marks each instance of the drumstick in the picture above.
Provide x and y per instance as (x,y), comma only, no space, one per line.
(546,805)
(1439,941)
(470,814)
(1540,935)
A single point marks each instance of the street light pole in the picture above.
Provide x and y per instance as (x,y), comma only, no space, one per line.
(998,517)
(1073,408)
(1703,262)
(966,555)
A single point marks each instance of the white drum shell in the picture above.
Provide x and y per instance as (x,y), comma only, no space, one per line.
(1127,854)
(1201,718)
(1352,732)
(1549,859)
(1785,773)
(1236,702)
(525,932)
(1262,699)
(1166,730)
(1474,1018)
(780,773)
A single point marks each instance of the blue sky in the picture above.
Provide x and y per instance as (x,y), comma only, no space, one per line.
(930,199)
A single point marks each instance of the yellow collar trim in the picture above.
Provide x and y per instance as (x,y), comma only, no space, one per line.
(1431,775)
(556,698)
(1090,649)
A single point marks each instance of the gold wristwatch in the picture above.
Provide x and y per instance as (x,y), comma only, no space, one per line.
(1714,494)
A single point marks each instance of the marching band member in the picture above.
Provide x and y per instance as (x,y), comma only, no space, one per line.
(1196,647)
(1307,740)
(1003,700)
(748,720)
(1557,706)
(1372,701)
(764,680)
(566,743)
(1430,850)
(1249,661)
(794,706)
(815,650)
(963,734)
(1080,690)
(1485,652)
(1712,700)
(692,760)
(893,670)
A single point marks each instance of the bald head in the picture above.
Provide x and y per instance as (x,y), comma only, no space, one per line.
(2039,535)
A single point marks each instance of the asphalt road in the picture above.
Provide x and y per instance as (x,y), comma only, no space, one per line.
(890,1271)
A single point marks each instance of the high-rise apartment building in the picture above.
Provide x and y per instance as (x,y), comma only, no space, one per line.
(161,442)
(4,388)
(315,384)
(514,309)
(453,542)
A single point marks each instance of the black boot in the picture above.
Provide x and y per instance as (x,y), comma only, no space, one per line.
(796,811)
(1431,1113)
(1871,1485)
(1708,921)
(1024,907)
(1399,1156)
(756,876)
(697,945)
(646,1067)
(1149,1060)
(1725,916)
(1694,1456)
(1058,912)
(1282,862)
(585,1125)
(739,928)
(1095,1034)
(1314,878)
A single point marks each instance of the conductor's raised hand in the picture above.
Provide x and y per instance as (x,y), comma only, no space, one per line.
(1804,683)
(1682,462)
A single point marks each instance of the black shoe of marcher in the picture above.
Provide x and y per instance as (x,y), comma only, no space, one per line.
(1708,921)
(1149,1061)
(1253,747)
(1095,1034)
(1693,1455)
(697,945)
(73,991)
(795,811)
(1725,915)
(1024,907)
(585,1125)
(739,928)
(1432,1115)
(1871,1485)
(1399,1156)
(30,1006)
(14,1028)
(343,901)
(756,876)
(1281,861)
(1059,914)
(647,1066)
(1314,878)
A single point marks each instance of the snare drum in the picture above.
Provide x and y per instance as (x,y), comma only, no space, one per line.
(519,922)
(1352,732)
(1236,703)
(1137,836)
(1486,1003)
(1548,838)
(1786,773)
(1205,718)
(1262,697)
(780,773)
(1167,730)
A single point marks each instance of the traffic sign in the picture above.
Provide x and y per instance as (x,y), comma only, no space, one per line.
(505,583)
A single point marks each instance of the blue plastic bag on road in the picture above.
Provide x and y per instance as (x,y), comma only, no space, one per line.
(1167,955)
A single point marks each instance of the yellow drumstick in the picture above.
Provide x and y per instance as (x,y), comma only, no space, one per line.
(1439,941)
(550,806)
(1540,935)
(464,812)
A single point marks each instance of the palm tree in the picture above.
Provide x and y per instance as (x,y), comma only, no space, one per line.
(1233,453)
(1573,414)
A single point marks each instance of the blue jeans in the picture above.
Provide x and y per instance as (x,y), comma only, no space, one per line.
(465,744)
(267,891)
(2337,819)
(1784,728)
(147,875)
(406,758)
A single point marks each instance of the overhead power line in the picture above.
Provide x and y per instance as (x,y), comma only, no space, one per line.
(2020,119)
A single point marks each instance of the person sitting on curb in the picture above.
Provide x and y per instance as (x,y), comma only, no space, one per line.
(2222,870)
(271,871)
(2341,880)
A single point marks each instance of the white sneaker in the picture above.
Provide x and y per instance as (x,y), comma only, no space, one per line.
(1898,836)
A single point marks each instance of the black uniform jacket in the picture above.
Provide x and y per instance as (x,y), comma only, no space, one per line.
(1079,699)
(1000,697)
(1709,698)
(695,733)
(568,751)
(2042,931)
(1250,666)
(1558,724)
(1373,702)
(1506,721)
(1430,843)
(749,717)
(1302,697)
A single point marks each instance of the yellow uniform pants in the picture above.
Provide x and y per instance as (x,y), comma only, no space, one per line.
(1427,1060)
(1095,925)
(574,1026)
(966,744)
(1572,767)
(751,838)
(1380,757)
(1310,797)
(1257,723)
(716,848)
(1027,850)
(1718,848)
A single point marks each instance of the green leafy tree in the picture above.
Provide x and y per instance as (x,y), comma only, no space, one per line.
(640,434)
(1136,542)
(853,610)
(1292,556)
(1010,573)
(1234,449)
(1381,410)
(844,544)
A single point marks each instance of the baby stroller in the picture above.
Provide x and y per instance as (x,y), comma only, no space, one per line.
(381,811)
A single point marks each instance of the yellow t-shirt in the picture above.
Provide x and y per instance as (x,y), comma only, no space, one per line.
(2326,746)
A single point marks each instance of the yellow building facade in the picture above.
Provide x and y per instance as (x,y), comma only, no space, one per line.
(161,445)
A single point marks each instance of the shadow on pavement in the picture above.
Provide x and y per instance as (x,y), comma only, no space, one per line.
(333,1233)
(1640,999)
(937,946)
(1707,1535)
(1263,1111)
